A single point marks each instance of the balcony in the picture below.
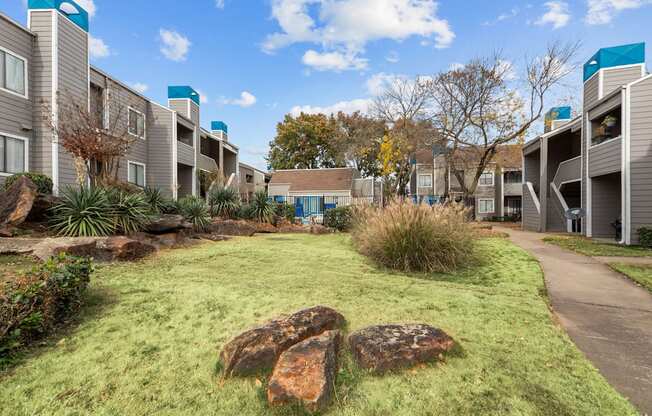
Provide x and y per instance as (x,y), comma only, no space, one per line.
(568,171)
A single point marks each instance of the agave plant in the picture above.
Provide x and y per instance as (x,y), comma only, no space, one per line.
(131,212)
(262,208)
(157,201)
(224,201)
(83,212)
(194,210)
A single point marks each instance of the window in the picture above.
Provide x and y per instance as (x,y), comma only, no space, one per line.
(98,113)
(425,181)
(136,174)
(12,73)
(485,206)
(249,178)
(514,176)
(486,179)
(136,123)
(12,155)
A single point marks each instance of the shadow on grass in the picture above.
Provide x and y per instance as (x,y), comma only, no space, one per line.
(96,302)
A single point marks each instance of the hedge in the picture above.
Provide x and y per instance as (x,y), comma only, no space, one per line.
(338,218)
(645,236)
(43,182)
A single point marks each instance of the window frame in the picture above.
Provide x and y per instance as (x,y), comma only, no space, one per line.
(130,179)
(493,178)
(493,205)
(26,153)
(25,74)
(144,136)
(420,175)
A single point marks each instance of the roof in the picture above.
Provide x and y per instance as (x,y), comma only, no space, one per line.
(424,156)
(247,166)
(509,156)
(336,179)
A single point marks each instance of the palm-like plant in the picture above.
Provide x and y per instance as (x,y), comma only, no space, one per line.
(131,212)
(194,209)
(223,201)
(83,212)
(157,201)
(262,208)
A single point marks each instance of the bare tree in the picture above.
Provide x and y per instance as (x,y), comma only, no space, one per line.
(96,141)
(476,108)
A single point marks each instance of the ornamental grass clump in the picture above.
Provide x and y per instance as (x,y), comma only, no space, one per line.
(415,238)
(224,201)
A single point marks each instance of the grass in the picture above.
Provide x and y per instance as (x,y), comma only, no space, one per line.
(594,248)
(12,264)
(149,340)
(641,274)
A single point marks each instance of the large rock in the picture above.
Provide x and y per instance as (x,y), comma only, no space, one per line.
(232,227)
(319,229)
(306,373)
(265,228)
(16,203)
(387,347)
(122,249)
(168,223)
(40,211)
(76,246)
(258,349)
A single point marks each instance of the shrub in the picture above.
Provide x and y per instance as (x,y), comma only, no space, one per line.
(83,212)
(262,208)
(338,218)
(195,210)
(224,201)
(158,203)
(43,182)
(285,211)
(410,237)
(34,303)
(645,236)
(245,212)
(131,212)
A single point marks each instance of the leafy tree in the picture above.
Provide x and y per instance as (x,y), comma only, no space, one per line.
(359,138)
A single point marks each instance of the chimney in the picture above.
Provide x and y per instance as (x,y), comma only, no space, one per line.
(611,68)
(220,129)
(184,100)
(557,117)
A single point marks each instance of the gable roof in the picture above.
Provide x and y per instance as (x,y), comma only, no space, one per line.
(336,179)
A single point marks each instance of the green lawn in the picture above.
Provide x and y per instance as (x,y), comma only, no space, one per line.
(594,248)
(641,274)
(148,342)
(10,264)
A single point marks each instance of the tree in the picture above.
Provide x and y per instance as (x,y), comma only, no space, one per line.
(96,144)
(476,108)
(359,138)
(305,142)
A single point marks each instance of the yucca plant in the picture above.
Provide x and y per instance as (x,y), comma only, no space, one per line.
(83,212)
(224,201)
(131,212)
(157,201)
(262,208)
(195,210)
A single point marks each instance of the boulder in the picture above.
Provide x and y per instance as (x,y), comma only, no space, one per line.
(232,227)
(122,249)
(258,349)
(306,373)
(285,226)
(41,207)
(319,229)
(387,347)
(16,203)
(76,246)
(167,223)
(265,228)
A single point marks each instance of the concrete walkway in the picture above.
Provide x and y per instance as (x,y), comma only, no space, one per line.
(608,317)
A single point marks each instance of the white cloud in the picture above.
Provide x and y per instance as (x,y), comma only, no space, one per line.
(246,99)
(346,26)
(348,107)
(333,61)
(392,57)
(379,82)
(219,4)
(140,87)
(89,6)
(174,45)
(97,48)
(507,69)
(557,15)
(603,11)
(203,98)
(503,16)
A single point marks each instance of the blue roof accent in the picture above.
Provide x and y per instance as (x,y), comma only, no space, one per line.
(219,125)
(69,8)
(183,92)
(559,113)
(614,56)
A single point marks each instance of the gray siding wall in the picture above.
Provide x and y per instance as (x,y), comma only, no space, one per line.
(180,106)
(641,156)
(605,158)
(591,90)
(185,154)
(617,77)
(73,83)
(556,220)
(569,171)
(605,204)
(159,145)
(531,217)
(606,106)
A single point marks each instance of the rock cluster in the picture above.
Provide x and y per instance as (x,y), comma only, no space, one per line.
(15,204)
(302,351)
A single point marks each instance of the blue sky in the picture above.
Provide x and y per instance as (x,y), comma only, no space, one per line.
(256,60)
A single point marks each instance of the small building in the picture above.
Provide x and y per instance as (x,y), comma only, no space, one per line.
(251,181)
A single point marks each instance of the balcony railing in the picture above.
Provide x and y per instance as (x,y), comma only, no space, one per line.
(568,171)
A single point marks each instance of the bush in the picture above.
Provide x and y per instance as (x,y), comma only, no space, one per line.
(262,208)
(43,182)
(131,212)
(245,212)
(645,236)
(410,237)
(338,218)
(31,305)
(285,211)
(224,201)
(158,203)
(195,210)
(83,212)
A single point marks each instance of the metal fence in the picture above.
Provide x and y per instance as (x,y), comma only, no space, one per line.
(311,208)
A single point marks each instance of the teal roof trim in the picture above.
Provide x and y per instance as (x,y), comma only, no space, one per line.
(219,126)
(559,113)
(183,92)
(69,8)
(614,56)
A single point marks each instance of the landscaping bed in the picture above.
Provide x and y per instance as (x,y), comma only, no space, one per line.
(153,348)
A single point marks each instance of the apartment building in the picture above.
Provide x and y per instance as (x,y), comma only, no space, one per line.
(599,163)
(499,189)
(48,61)
(252,180)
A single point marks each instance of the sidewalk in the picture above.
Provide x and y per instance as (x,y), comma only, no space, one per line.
(608,317)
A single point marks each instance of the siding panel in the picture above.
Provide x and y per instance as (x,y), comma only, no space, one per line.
(606,158)
(641,156)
